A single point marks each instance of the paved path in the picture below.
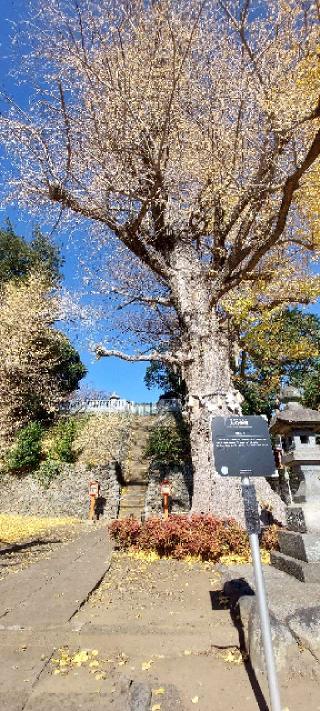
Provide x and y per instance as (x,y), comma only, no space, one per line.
(51,591)
(36,604)
(156,632)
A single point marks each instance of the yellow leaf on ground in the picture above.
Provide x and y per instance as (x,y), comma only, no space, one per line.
(195,700)
(14,527)
(159,691)
(146,665)
(146,556)
(187,652)
(232,656)
(80,657)
(93,664)
(156,707)
(100,676)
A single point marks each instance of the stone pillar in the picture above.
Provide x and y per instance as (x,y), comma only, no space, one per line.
(180,477)
(300,545)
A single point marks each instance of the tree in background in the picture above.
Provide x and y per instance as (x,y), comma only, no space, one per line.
(159,375)
(38,364)
(18,257)
(283,348)
(184,129)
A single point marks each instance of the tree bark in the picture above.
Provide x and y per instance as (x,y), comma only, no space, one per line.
(206,371)
(210,394)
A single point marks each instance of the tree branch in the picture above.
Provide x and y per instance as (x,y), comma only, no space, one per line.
(58,193)
(67,127)
(102,352)
(128,234)
(290,186)
(150,301)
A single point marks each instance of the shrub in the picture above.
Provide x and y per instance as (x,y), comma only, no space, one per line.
(165,444)
(47,471)
(25,454)
(62,447)
(181,536)
(207,537)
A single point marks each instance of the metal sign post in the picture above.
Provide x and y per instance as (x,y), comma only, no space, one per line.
(94,493)
(242,448)
(251,510)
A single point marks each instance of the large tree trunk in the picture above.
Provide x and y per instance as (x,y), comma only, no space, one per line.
(208,378)
(208,381)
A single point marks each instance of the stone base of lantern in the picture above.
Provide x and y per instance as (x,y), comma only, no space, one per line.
(304,546)
(299,555)
(305,572)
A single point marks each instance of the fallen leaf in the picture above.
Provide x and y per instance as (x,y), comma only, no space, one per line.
(232,656)
(80,657)
(195,700)
(159,691)
(146,665)
(100,676)
(156,707)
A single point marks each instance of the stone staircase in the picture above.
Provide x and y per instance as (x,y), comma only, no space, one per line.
(135,469)
(132,500)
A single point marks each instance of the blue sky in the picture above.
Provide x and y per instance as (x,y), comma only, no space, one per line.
(108,373)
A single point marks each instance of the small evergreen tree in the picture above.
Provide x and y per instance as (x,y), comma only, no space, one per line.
(62,448)
(25,454)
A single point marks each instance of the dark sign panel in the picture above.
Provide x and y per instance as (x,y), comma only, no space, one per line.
(242,446)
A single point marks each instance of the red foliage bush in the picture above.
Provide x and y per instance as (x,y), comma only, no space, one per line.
(181,536)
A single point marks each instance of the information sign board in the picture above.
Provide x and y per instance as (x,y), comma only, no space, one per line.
(94,487)
(242,446)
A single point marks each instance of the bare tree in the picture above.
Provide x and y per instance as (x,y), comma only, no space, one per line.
(181,128)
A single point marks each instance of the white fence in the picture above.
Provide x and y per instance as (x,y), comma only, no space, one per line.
(113,406)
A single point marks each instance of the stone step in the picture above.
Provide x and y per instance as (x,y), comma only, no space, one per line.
(132,500)
(133,495)
(131,507)
(139,493)
(305,572)
(127,509)
(304,546)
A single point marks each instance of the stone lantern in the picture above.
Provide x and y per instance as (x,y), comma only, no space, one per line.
(299,428)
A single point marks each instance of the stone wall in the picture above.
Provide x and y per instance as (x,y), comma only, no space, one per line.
(67,494)
(180,477)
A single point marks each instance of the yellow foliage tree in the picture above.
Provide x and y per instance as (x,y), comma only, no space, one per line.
(29,353)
